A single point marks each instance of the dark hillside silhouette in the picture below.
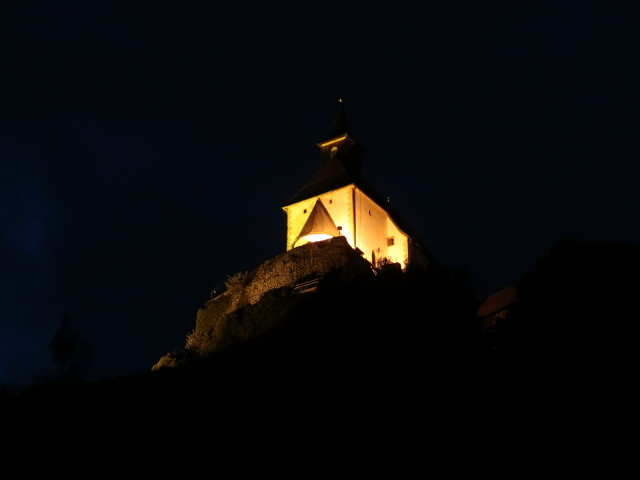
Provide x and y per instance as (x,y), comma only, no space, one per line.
(573,336)
(352,367)
(580,308)
(389,374)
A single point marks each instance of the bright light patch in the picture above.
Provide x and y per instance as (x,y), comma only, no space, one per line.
(314,237)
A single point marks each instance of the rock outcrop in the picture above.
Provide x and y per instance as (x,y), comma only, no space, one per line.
(256,301)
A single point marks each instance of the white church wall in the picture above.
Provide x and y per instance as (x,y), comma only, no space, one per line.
(397,244)
(339,204)
(297,215)
(365,224)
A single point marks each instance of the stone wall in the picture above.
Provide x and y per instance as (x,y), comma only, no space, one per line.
(304,262)
(312,260)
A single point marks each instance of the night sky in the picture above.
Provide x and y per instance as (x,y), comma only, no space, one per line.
(147,148)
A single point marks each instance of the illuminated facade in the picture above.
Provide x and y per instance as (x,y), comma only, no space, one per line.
(338,201)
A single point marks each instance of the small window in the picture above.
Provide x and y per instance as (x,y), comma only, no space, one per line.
(390,241)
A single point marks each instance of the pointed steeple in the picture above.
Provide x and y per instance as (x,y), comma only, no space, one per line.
(340,160)
(340,145)
(340,125)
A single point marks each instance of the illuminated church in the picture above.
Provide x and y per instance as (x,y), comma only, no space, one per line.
(337,201)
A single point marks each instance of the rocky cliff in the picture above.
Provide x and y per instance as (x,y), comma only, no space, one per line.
(257,301)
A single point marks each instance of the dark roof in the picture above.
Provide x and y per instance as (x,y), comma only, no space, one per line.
(331,176)
(336,170)
(497,302)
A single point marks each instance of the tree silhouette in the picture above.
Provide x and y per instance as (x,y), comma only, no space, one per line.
(72,354)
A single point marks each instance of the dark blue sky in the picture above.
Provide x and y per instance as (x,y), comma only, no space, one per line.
(147,148)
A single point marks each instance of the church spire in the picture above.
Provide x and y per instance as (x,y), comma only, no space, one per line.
(340,125)
(340,147)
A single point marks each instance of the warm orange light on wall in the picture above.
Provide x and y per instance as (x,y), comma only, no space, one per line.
(315,237)
(357,217)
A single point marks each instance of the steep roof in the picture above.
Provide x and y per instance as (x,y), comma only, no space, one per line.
(331,176)
(340,161)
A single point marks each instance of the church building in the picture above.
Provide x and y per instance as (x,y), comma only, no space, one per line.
(337,201)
